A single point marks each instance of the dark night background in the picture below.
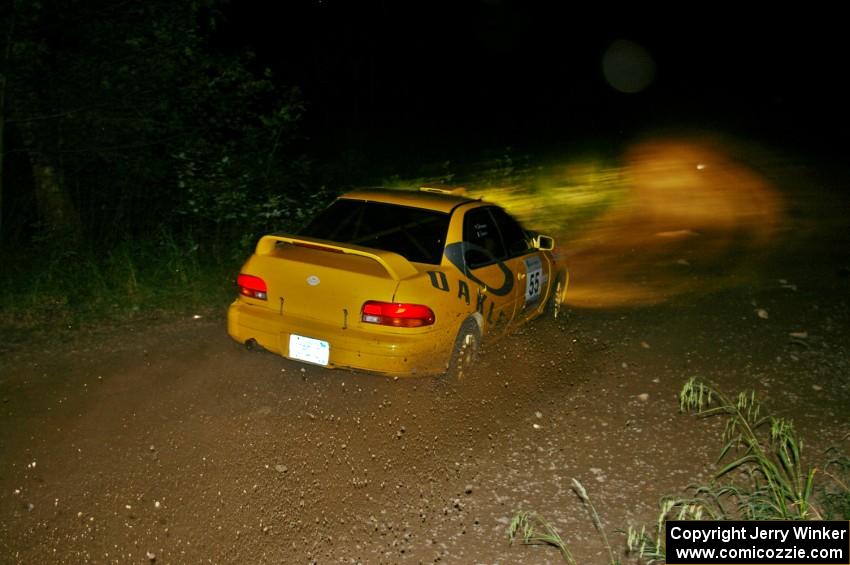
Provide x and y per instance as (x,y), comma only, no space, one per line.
(142,136)
(470,74)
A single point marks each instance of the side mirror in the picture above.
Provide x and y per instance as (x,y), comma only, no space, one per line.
(545,243)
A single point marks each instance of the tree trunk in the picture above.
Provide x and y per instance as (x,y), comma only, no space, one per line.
(2,147)
(4,71)
(55,208)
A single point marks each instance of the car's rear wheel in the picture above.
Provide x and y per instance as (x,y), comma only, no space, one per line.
(465,351)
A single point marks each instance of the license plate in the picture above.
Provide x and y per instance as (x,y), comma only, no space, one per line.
(309,349)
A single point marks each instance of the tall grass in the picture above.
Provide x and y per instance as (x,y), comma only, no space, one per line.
(765,449)
(765,479)
(47,287)
(762,477)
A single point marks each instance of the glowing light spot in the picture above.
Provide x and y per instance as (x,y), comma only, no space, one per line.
(672,215)
(677,228)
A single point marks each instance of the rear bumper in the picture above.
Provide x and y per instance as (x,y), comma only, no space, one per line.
(411,351)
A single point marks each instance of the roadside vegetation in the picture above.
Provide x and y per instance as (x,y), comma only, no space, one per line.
(142,154)
(762,476)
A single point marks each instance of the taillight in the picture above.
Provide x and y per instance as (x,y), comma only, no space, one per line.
(396,314)
(253,287)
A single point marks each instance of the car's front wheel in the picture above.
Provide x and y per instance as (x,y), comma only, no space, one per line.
(465,350)
(556,298)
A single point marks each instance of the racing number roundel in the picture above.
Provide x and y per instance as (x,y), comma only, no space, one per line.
(533,279)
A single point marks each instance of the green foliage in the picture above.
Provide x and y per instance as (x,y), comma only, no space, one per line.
(765,449)
(765,479)
(146,124)
(173,153)
(72,288)
(557,198)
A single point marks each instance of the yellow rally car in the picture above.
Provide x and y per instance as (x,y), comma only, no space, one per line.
(396,282)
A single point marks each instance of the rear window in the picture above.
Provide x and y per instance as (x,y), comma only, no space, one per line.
(416,234)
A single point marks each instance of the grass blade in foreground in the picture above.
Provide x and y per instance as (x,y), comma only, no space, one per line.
(531,529)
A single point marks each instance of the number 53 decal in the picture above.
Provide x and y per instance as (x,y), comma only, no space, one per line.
(533,280)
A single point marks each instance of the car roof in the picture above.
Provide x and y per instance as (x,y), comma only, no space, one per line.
(410,197)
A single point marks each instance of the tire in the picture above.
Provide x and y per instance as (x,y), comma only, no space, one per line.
(555,303)
(465,350)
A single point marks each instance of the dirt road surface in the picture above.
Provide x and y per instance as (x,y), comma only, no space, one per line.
(166,442)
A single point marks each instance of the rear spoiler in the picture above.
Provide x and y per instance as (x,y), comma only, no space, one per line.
(396,266)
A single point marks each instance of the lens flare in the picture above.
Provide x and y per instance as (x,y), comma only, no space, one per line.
(628,67)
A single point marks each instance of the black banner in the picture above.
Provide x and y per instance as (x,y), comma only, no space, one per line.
(757,543)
